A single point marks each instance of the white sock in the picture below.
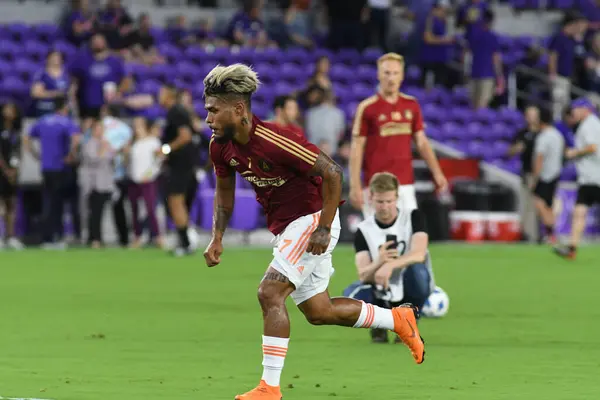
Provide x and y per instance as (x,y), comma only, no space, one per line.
(274,351)
(375,317)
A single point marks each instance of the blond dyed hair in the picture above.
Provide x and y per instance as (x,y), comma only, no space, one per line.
(383,182)
(390,57)
(237,80)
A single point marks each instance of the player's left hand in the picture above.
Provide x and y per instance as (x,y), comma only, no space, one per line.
(319,241)
(383,275)
(440,182)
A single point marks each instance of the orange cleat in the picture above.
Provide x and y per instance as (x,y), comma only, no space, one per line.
(405,326)
(262,392)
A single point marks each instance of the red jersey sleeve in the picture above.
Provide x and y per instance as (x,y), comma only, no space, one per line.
(418,124)
(290,149)
(222,170)
(360,127)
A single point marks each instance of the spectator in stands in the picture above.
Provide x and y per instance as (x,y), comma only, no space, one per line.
(436,52)
(471,15)
(179,33)
(142,46)
(592,65)
(286,113)
(246,28)
(346,23)
(100,78)
(50,83)
(298,28)
(523,144)
(561,62)
(321,77)
(10,157)
(326,124)
(134,101)
(79,23)
(486,66)
(378,23)
(546,166)
(144,161)
(115,23)
(591,10)
(566,126)
(59,137)
(97,180)
(118,134)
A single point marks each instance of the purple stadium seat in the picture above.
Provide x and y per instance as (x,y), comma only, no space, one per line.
(460,96)
(497,131)
(271,56)
(14,86)
(198,90)
(562,4)
(474,130)
(195,54)
(342,91)
(347,56)
(361,91)
(25,69)
(246,211)
(318,53)
(35,50)
(367,74)
(501,148)
(5,69)
(170,52)
(414,91)
(46,32)
(200,110)
(18,31)
(9,49)
(158,33)
(66,49)
(350,109)
(265,72)
(451,131)
(462,115)
(159,72)
(264,96)
(371,55)
(341,73)
(434,132)
(475,149)
(139,71)
(433,113)
(292,73)
(207,198)
(488,153)
(244,55)
(188,72)
(485,116)
(510,116)
(298,55)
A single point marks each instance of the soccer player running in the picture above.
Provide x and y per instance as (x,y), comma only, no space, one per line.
(300,189)
(384,126)
(586,154)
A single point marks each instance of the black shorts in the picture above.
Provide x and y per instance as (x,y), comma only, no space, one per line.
(89,112)
(545,191)
(180,181)
(7,189)
(588,195)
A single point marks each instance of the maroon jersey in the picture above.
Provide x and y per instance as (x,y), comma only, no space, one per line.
(389,129)
(276,161)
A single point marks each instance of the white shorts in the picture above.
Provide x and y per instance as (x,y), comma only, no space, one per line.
(407,200)
(309,273)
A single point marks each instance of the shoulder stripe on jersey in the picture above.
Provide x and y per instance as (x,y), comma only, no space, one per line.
(286,144)
(407,96)
(358,115)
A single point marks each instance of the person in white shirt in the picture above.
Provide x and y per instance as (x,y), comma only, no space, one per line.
(144,167)
(392,258)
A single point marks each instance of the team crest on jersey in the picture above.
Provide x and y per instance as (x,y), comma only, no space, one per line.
(264,166)
(382,117)
(233,162)
(408,115)
(396,116)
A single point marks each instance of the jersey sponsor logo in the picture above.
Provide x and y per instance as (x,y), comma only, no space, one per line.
(233,162)
(264,165)
(264,182)
(396,128)
(396,116)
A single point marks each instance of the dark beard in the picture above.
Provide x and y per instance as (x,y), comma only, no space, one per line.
(228,134)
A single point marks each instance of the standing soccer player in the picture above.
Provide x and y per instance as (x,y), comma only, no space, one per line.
(300,189)
(384,127)
(587,160)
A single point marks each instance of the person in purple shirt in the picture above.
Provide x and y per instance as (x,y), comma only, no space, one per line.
(471,15)
(116,24)
(591,10)
(52,82)
(436,51)
(246,28)
(486,63)
(100,78)
(79,23)
(58,137)
(179,34)
(561,61)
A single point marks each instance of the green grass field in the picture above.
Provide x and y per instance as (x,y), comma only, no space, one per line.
(140,325)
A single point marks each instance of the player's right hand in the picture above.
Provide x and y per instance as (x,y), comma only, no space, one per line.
(212,254)
(386,254)
(356,198)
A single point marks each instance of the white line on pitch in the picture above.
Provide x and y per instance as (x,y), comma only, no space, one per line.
(20,398)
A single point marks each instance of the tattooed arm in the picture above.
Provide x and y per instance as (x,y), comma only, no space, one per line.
(332,175)
(223,206)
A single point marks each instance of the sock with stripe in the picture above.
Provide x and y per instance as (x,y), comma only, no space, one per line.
(375,317)
(274,351)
